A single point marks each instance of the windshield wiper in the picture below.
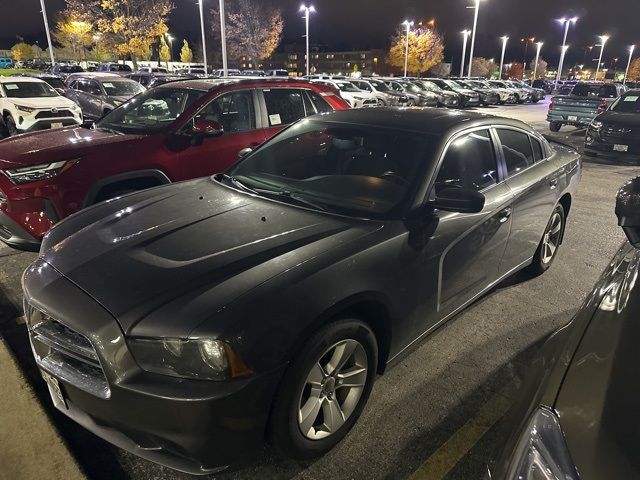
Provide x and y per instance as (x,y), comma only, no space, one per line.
(287,195)
(238,184)
(108,130)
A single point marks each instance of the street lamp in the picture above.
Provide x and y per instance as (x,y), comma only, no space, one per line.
(307,11)
(204,43)
(170,38)
(408,26)
(473,34)
(535,68)
(504,49)
(46,28)
(566,22)
(223,39)
(603,41)
(626,72)
(465,36)
(526,49)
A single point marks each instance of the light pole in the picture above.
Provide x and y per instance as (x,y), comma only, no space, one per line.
(473,34)
(505,39)
(307,11)
(170,38)
(46,28)
(566,22)
(626,72)
(204,43)
(535,68)
(408,25)
(223,40)
(465,36)
(603,41)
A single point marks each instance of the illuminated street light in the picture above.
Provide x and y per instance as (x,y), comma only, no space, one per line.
(626,72)
(603,41)
(465,36)
(408,25)
(307,11)
(473,34)
(535,68)
(170,39)
(204,43)
(504,39)
(566,22)
(46,28)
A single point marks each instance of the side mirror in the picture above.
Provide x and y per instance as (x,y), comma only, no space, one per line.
(628,210)
(460,200)
(205,128)
(244,152)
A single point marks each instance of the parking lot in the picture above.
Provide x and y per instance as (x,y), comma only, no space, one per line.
(431,416)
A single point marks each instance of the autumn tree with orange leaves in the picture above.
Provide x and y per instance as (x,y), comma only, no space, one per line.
(426,49)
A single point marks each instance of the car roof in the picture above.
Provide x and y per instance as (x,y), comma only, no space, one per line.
(19,79)
(433,121)
(102,78)
(215,83)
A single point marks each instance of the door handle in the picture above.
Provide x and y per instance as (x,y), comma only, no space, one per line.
(505,214)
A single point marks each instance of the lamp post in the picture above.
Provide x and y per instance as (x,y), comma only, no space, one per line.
(535,68)
(408,26)
(504,49)
(307,11)
(46,28)
(204,43)
(223,40)
(465,36)
(473,34)
(626,72)
(566,22)
(603,41)
(526,49)
(170,38)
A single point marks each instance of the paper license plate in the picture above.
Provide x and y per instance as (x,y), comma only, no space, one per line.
(572,118)
(621,148)
(56,125)
(54,390)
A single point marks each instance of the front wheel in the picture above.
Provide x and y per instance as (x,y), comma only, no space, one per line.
(555,126)
(550,243)
(324,390)
(11,125)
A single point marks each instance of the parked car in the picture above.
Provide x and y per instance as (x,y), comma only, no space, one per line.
(413,99)
(616,132)
(536,94)
(505,95)
(75,76)
(54,81)
(566,86)
(380,91)
(6,62)
(446,98)
(175,131)
(253,73)
(488,96)
(586,102)
(578,412)
(348,238)
(425,97)
(29,104)
(117,68)
(231,72)
(355,97)
(63,70)
(279,72)
(524,92)
(99,95)
(545,85)
(469,97)
(150,80)
(520,96)
(396,98)
(150,69)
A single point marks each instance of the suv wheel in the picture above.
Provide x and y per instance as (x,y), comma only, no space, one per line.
(555,126)
(11,125)
(324,390)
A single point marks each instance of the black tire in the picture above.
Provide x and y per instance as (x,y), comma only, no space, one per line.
(541,262)
(11,125)
(284,428)
(555,126)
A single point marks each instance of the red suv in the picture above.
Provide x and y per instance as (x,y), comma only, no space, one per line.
(176,131)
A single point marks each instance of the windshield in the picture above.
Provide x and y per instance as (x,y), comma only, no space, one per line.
(411,87)
(452,84)
(498,84)
(55,82)
(379,86)
(28,90)
(347,169)
(347,87)
(71,69)
(122,88)
(594,90)
(442,84)
(629,103)
(150,112)
(431,86)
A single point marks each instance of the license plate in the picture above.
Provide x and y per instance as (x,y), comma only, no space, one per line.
(621,148)
(573,118)
(56,125)
(54,390)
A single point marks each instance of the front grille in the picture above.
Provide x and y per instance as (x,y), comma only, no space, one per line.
(67,354)
(56,114)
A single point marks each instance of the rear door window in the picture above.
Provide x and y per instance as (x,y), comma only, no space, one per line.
(537,150)
(284,105)
(320,104)
(517,150)
(234,110)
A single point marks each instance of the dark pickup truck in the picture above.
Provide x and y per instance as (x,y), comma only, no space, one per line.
(586,102)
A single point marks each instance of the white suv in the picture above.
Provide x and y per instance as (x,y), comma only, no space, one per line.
(355,97)
(29,104)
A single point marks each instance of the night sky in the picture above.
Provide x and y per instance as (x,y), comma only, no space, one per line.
(341,24)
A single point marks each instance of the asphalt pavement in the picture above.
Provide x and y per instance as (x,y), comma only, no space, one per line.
(431,416)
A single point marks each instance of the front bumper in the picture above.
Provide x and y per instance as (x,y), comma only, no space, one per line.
(15,236)
(198,427)
(32,124)
(595,145)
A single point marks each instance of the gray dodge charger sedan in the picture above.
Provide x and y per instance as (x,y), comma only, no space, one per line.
(190,323)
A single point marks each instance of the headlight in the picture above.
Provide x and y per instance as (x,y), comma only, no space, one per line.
(595,124)
(23,108)
(75,107)
(541,453)
(202,359)
(42,171)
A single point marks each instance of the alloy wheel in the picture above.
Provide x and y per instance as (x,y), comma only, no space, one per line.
(333,389)
(551,239)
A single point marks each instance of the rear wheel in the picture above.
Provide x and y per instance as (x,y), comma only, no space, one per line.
(550,243)
(555,126)
(11,125)
(324,390)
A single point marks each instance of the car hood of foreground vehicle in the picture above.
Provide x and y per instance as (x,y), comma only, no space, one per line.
(137,253)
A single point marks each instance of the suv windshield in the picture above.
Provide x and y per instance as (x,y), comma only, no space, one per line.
(71,69)
(594,90)
(28,90)
(150,112)
(379,86)
(122,88)
(347,87)
(55,82)
(629,103)
(452,84)
(429,85)
(347,169)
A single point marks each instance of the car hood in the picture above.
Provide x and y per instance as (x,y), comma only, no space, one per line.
(144,250)
(119,99)
(54,145)
(43,102)
(620,119)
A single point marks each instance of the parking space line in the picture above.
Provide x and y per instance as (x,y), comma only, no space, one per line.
(442,461)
